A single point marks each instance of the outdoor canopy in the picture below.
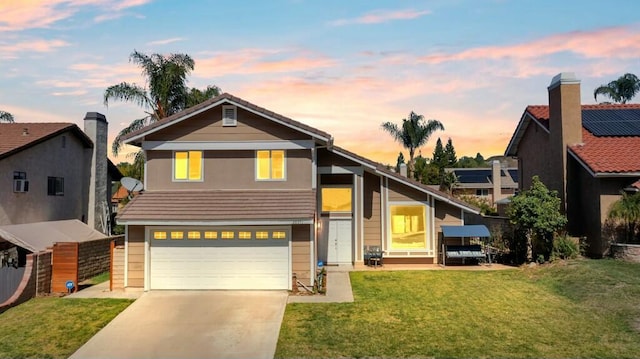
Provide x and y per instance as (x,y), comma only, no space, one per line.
(476,230)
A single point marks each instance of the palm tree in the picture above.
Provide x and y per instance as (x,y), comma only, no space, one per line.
(627,210)
(621,90)
(413,134)
(166,92)
(6,117)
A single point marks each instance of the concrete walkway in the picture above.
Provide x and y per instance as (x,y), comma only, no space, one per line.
(101,290)
(338,288)
(193,324)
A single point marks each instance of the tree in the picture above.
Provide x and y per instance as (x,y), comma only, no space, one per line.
(450,154)
(399,162)
(439,157)
(6,117)
(621,90)
(448,180)
(627,211)
(425,172)
(536,213)
(413,134)
(165,94)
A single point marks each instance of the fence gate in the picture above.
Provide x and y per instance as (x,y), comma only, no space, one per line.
(65,266)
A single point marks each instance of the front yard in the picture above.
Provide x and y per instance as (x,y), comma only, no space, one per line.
(583,308)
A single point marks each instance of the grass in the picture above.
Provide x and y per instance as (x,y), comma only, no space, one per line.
(52,327)
(577,309)
(100,278)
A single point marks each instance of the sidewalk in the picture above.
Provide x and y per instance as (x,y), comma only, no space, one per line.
(338,288)
(102,291)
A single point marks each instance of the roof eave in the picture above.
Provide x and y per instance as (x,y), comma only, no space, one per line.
(512,147)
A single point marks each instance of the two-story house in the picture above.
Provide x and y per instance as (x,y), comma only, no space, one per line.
(588,153)
(491,184)
(239,197)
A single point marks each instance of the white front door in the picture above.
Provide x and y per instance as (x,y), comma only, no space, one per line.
(339,248)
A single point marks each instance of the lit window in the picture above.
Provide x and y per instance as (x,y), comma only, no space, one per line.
(408,227)
(187,166)
(227,235)
(262,235)
(244,235)
(270,165)
(159,235)
(210,235)
(193,234)
(177,235)
(55,186)
(336,199)
(278,235)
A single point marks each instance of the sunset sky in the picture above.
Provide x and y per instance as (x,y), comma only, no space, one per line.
(341,66)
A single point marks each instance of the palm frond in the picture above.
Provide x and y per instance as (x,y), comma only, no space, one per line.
(128,93)
(117,144)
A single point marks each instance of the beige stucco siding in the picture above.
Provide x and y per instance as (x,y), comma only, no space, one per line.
(533,154)
(446,215)
(46,159)
(207,126)
(401,193)
(225,170)
(301,252)
(371,212)
(135,256)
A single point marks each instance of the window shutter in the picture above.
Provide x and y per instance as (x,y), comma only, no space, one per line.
(229,116)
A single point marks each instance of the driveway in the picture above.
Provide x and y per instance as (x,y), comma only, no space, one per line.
(192,324)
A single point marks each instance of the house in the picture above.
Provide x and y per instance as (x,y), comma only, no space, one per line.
(491,184)
(239,197)
(588,153)
(50,172)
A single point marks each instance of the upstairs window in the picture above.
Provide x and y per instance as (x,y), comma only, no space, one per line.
(55,186)
(187,165)
(20,183)
(270,165)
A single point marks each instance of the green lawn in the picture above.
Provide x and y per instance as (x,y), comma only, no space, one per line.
(54,327)
(583,308)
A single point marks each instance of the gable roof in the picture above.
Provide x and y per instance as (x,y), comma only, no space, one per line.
(375,167)
(136,136)
(601,155)
(15,137)
(483,177)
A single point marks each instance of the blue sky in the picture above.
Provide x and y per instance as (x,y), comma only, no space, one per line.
(341,66)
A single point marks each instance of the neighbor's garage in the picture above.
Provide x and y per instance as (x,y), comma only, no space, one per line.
(220,258)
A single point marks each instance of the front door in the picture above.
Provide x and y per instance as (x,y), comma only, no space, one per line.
(339,249)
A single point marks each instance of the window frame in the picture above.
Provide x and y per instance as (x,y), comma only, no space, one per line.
(58,186)
(271,179)
(234,120)
(427,227)
(173,166)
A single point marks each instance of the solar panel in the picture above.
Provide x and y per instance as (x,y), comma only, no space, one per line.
(514,175)
(619,122)
(473,176)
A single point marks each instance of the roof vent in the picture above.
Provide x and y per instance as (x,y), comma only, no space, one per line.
(25,131)
(229,115)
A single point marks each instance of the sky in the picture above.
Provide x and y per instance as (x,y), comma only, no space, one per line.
(344,67)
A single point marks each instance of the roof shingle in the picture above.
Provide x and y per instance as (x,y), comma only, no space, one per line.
(15,137)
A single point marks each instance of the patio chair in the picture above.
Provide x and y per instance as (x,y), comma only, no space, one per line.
(375,256)
(366,255)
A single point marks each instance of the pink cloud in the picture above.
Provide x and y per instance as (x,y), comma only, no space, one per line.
(618,42)
(382,16)
(165,41)
(38,45)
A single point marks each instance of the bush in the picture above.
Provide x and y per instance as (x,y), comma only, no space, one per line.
(565,247)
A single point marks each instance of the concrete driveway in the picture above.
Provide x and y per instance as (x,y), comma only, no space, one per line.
(192,324)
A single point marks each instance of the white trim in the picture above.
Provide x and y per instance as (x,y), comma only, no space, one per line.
(426,237)
(229,121)
(126,255)
(355,222)
(434,234)
(383,210)
(270,179)
(144,184)
(147,261)
(217,103)
(312,256)
(173,166)
(228,145)
(361,214)
(272,222)
(358,170)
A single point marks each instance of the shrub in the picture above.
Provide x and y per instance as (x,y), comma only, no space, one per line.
(565,247)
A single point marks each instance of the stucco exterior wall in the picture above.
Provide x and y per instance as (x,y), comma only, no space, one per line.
(228,170)
(371,213)
(135,256)
(46,159)
(533,154)
(301,252)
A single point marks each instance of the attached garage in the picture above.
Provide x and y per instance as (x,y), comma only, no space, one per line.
(238,258)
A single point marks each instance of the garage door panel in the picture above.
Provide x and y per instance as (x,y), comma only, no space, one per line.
(220,264)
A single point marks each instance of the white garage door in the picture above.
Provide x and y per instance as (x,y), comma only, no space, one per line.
(220,258)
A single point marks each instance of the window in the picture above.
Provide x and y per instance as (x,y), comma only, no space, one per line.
(408,227)
(227,235)
(20,183)
(262,235)
(187,165)
(177,235)
(210,235)
(55,186)
(278,235)
(244,235)
(193,235)
(336,199)
(159,235)
(482,192)
(270,165)
(229,115)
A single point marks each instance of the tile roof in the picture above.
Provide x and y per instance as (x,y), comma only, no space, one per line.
(220,205)
(16,137)
(225,97)
(602,154)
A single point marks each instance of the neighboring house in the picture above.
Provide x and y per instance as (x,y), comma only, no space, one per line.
(588,153)
(491,184)
(239,197)
(120,194)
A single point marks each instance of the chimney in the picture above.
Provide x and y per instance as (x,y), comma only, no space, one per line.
(496,178)
(403,169)
(95,126)
(565,127)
